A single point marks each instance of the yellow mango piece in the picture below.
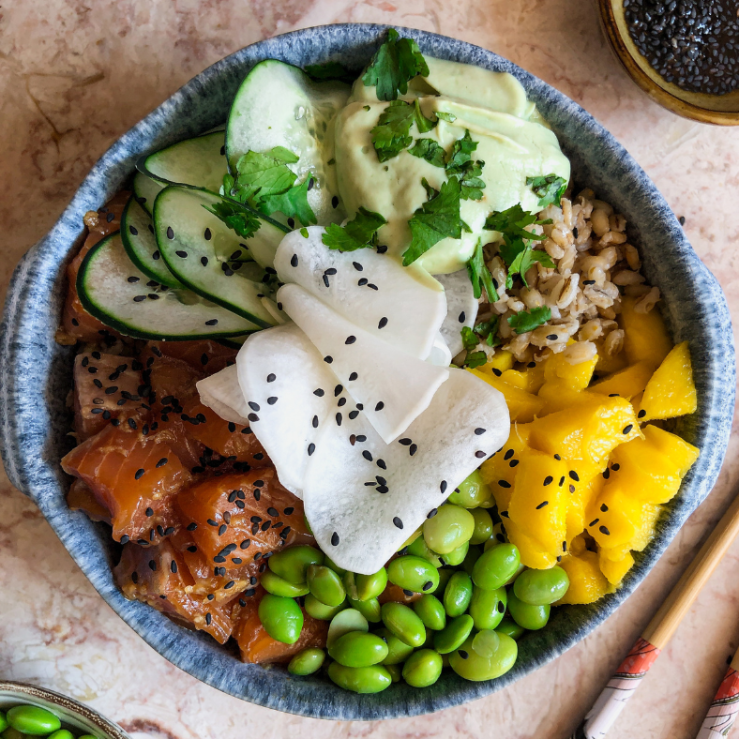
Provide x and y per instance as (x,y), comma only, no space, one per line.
(636,405)
(627,383)
(558,398)
(614,570)
(499,472)
(680,453)
(646,335)
(582,489)
(578,545)
(538,509)
(587,582)
(572,376)
(516,378)
(501,361)
(589,431)
(522,406)
(645,527)
(670,392)
(608,365)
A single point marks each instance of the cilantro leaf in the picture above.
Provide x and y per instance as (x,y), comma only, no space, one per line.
(392,133)
(444,116)
(512,222)
(396,62)
(329,71)
(459,164)
(480,275)
(549,189)
(429,150)
(529,320)
(469,339)
(476,359)
(437,219)
(488,330)
(293,203)
(359,233)
(524,261)
(244,222)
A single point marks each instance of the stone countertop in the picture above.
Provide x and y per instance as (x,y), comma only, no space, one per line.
(74,75)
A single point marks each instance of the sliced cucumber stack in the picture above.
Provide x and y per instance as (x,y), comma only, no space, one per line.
(137,234)
(145,190)
(211,259)
(279,105)
(113,290)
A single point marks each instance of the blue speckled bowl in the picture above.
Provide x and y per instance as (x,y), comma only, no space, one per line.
(35,373)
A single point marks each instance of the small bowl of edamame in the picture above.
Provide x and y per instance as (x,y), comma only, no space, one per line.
(29,711)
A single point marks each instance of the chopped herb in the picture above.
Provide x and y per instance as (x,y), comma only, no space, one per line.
(293,203)
(460,164)
(359,233)
(480,275)
(444,116)
(330,71)
(512,223)
(476,359)
(392,133)
(470,341)
(429,150)
(396,62)
(549,189)
(523,260)
(488,330)
(304,233)
(529,320)
(244,222)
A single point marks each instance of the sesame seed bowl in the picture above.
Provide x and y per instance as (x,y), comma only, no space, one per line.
(36,373)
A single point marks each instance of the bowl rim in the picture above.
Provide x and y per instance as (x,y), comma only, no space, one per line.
(196,653)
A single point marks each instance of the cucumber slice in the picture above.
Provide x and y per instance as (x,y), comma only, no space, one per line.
(208,257)
(145,190)
(200,162)
(278,105)
(137,234)
(111,289)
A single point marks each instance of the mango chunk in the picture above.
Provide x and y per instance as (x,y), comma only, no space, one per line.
(627,383)
(646,335)
(516,378)
(501,361)
(584,483)
(682,454)
(608,365)
(572,376)
(522,406)
(671,392)
(614,570)
(499,472)
(587,582)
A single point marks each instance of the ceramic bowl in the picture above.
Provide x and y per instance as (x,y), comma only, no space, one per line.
(36,373)
(77,717)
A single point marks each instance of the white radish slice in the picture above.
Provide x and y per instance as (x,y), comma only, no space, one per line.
(289,392)
(222,393)
(461,308)
(439,354)
(401,305)
(389,385)
(363,498)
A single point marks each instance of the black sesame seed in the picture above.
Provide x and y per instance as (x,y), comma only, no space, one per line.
(593,522)
(480,454)
(574,476)
(463,654)
(311,449)
(604,530)
(641,414)
(504,484)
(379,406)
(479,431)
(334,539)
(328,359)
(139,474)
(443,486)
(412,449)
(557,457)
(548,480)
(152,565)
(628,428)
(350,339)
(398,522)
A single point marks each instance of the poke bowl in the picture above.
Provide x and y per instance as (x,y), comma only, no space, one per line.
(592,178)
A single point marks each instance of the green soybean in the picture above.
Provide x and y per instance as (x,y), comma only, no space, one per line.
(396,672)
(370,609)
(531,618)
(431,611)
(471,492)
(457,556)
(413,573)
(451,527)
(342,623)
(277,586)
(292,564)
(321,611)
(325,585)
(457,594)
(360,679)
(404,623)
(61,734)
(496,566)
(330,563)
(32,720)
(397,651)
(422,668)
(357,649)
(541,587)
(488,607)
(444,574)
(306,662)
(471,557)
(510,628)
(281,617)
(476,660)
(3,722)
(419,548)
(370,586)
(483,526)
(454,634)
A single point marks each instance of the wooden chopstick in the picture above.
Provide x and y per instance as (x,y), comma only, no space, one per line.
(724,707)
(654,638)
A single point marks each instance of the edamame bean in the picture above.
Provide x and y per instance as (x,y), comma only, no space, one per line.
(413,573)
(61,734)
(398,651)
(487,607)
(32,720)
(541,587)
(431,611)
(510,628)
(370,609)
(306,662)
(471,492)
(344,622)
(471,557)
(357,649)
(3,722)
(419,548)
(498,536)
(364,587)
(396,672)
(444,574)
(330,563)
(451,527)
(457,594)
(291,564)
(531,618)
(454,634)
(325,585)
(422,668)
(277,586)
(456,556)
(281,617)
(496,566)
(477,660)
(319,610)
(483,526)
(404,623)
(360,679)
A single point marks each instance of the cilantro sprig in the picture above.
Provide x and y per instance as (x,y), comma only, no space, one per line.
(480,275)
(359,233)
(392,133)
(460,164)
(529,320)
(393,65)
(470,342)
(244,222)
(549,189)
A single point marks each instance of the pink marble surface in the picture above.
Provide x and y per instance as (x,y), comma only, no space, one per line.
(74,75)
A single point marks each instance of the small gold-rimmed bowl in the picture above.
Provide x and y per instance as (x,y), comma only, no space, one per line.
(722,110)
